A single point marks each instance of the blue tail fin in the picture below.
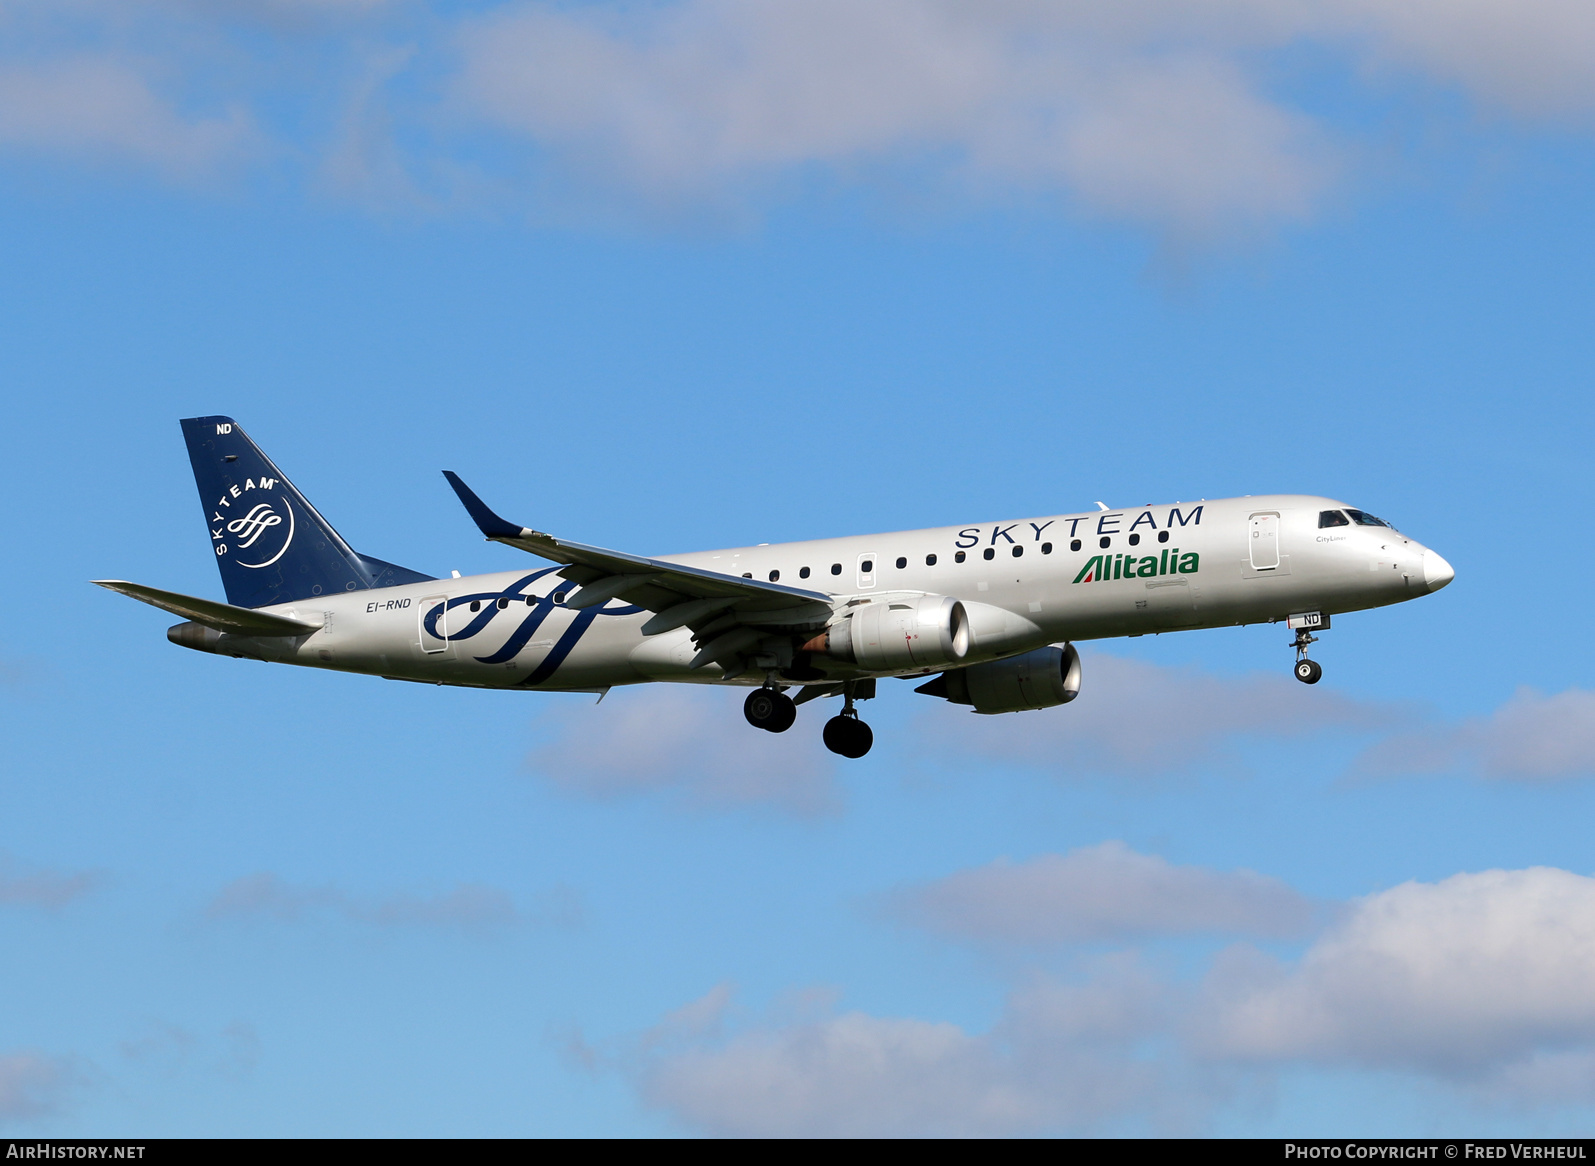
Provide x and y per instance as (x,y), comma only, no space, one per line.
(270,543)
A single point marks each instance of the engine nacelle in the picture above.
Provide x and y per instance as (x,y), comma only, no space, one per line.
(194,635)
(1036,680)
(898,634)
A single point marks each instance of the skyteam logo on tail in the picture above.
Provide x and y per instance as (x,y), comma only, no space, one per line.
(255,528)
(250,527)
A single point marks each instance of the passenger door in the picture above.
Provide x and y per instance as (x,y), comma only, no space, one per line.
(432,622)
(1265,541)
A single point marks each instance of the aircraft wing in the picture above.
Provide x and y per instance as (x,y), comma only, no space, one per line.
(713,604)
(224,617)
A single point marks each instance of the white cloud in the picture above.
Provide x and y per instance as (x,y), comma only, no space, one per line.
(1533,57)
(1104,892)
(850,1076)
(714,99)
(168,1049)
(31,887)
(1134,718)
(94,106)
(1156,112)
(240,1050)
(1532,737)
(1542,1080)
(1058,1060)
(1477,974)
(33,1084)
(162,1043)
(363,161)
(124,14)
(691,742)
(1479,982)
(1174,114)
(469,906)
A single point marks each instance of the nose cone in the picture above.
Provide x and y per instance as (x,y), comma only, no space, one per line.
(1436,571)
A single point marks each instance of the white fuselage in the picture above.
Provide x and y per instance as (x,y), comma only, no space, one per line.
(1025,583)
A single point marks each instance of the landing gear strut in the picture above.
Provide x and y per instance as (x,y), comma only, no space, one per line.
(1307,671)
(769,709)
(845,733)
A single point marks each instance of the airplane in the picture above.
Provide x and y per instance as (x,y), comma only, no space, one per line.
(986,614)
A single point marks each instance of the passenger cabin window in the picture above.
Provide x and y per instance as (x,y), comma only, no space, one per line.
(901,562)
(747,574)
(1074,544)
(803,572)
(1046,548)
(930,560)
(503,603)
(775,576)
(1017,551)
(1162,536)
(959,557)
(1328,518)
(988,553)
(1104,542)
(865,567)
(1363,518)
(476,605)
(1135,540)
(836,568)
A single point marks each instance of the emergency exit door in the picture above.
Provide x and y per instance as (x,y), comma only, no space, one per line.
(1265,541)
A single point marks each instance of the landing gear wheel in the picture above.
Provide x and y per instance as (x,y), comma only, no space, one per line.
(785,714)
(1307,671)
(770,710)
(848,736)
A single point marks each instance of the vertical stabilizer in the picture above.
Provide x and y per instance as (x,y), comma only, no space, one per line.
(271,545)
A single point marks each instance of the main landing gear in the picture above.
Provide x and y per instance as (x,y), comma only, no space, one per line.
(769,709)
(1307,671)
(845,733)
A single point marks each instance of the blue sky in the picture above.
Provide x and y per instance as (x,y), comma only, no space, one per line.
(684,275)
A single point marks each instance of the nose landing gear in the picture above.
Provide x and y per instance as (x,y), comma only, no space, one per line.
(1307,671)
(845,733)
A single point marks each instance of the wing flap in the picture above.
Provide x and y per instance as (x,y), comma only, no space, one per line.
(682,614)
(605,589)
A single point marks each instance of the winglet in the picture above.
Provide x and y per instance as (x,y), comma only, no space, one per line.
(489,523)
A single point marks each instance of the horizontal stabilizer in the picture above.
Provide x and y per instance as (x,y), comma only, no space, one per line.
(224,617)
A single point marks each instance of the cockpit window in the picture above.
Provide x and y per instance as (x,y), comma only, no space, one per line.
(1363,518)
(1332,518)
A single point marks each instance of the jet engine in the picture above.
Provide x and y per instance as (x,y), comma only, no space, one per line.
(896,634)
(1036,680)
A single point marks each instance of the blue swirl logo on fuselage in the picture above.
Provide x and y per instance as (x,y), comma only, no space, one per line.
(510,603)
